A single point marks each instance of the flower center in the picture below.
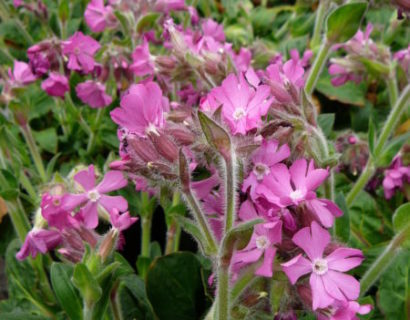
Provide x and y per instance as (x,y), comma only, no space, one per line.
(260,170)
(239,113)
(151,128)
(56,202)
(297,195)
(93,195)
(319,266)
(262,242)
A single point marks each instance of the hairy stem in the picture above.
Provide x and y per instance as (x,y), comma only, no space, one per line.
(230,192)
(388,128)
(223,292)
(146,236)
(317,67)
(35,154)
(384,260)
(391,83)
(319,20)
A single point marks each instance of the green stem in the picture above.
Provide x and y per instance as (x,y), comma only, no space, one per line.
(391,83)
(317,67)
(18,219)
(38,162)
(115,303)
(384,260)
(94,130)
(230,193)
(201,219)
(223,293)
(26,183)
(319,20)
(243,282)
(173,227)
(388,128)
(88,311)
(146,236)
(62,117)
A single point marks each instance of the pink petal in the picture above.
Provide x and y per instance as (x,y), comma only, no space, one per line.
(346,283)
(298,173)
(90,214)
(320,298)
(86,178)
(71,201)
(113,202)
(344,259)
(113,180)
(266,269)
(312,240)
(296,268)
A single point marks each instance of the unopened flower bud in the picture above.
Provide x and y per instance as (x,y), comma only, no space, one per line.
(279,93)
(108,244)
(88,236)
(142,148)
(165,146)
(71,255)
(182,136)
(162,169)
(179,115)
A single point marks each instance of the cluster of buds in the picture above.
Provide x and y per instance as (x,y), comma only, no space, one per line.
(67,220)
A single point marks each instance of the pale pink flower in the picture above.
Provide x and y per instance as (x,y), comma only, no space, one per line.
(39,241)
(56,85)
(80,50)
(95,196)
(242,105)
(263,158)
(98,17)
(142,109)
(395,177)
(327,280)
(121,221)
(93,94)
(143,63)
(21,74)
(264,236)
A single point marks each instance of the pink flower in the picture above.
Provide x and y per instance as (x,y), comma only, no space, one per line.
(341,75)
(212,29)
(53,212)
(94,196)
(21,74)
(264,236)
(166,6)
(44,56)
(80,50)
(403,57)
(39,240)
(267,155)
(121,221)
(327,280)
(395,177)
(242,59)
(142,61)
(97,16)
(342,310)
(285,187)
(56,85)
(141,110)
(242,106)
(93,94)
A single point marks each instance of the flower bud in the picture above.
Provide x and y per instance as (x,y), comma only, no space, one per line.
(182,136)
(70,254)
(108,244)
(165,146)
(142,149)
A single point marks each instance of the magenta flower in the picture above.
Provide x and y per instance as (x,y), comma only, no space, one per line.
(166,6)
(97,16)
(56,85)
(395,177)
(39,240)
(242,59)
(94,196)
(285,187)
(267,155)
(21,74)
(121,221)
(80,50)
(53,212)
(327,280)
(141,110)
(403,57)
(93,94)
(341,75)
(264,236)
(213,29)
(142,61)
(342,310)
(242,106)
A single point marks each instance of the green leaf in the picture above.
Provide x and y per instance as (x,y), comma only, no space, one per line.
(85,282)
(343,23)
(326,121)
(342,224)
(401,217)
(391,150)
(64,10)
(147,22)
(143,264)
(47,139)
(64,290)
(372,136)
(9,194)
(394,288)
(133,299)
(174,287)
(11,178)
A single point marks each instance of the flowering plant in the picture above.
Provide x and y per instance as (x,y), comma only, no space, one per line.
(175,159)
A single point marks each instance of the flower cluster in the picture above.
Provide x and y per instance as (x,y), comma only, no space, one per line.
(67,220)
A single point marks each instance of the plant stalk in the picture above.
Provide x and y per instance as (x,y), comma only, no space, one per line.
(94,131)
(317,67)
(230,192)
(223,292)
(38,162)
(146,235)
(319,20)
(384,260)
